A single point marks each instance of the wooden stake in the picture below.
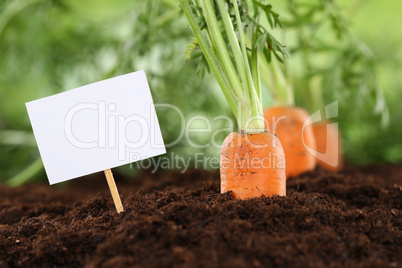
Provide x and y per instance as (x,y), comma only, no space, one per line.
(113,190)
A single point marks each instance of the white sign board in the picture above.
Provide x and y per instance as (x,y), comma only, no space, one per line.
(96,127)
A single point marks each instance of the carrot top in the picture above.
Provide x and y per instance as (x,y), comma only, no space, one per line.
(279,82)
(221,28)
(333,63)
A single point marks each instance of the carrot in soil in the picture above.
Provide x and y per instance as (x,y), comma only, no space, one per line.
(287,123)
(252,165)
(334,70)
(329,145)
(245,156)
(327,135)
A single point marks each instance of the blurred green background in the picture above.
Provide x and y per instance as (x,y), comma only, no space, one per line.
(49,46)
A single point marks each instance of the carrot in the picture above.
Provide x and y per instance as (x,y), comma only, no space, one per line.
(250,171)
(245,156)
(287,123)
(329,145)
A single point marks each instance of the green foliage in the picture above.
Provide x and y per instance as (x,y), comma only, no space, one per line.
(252,21)
(332,63)
(330,52)
(221,30)
(48,46)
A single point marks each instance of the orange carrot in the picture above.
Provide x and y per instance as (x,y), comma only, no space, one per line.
(287,123)
(253,162)
(252,165)
(329,145)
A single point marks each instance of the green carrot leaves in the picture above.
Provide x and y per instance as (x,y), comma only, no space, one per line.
(222,28)
(324,35)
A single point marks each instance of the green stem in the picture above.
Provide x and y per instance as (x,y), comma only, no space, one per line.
(243,48)
(284,89)
(278,85)
(220,46)
(234,43)
(216,69)
(239,91)
(243,45)
(255,66)
(316,96)
(314,93)
(256,103)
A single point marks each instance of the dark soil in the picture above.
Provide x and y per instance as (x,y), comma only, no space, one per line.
(349,219)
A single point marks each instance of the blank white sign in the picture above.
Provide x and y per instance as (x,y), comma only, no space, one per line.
(96,127)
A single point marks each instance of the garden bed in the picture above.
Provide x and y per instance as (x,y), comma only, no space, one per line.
(350,219)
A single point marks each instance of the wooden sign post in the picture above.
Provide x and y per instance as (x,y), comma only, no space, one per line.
(114,191)
(95,128)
